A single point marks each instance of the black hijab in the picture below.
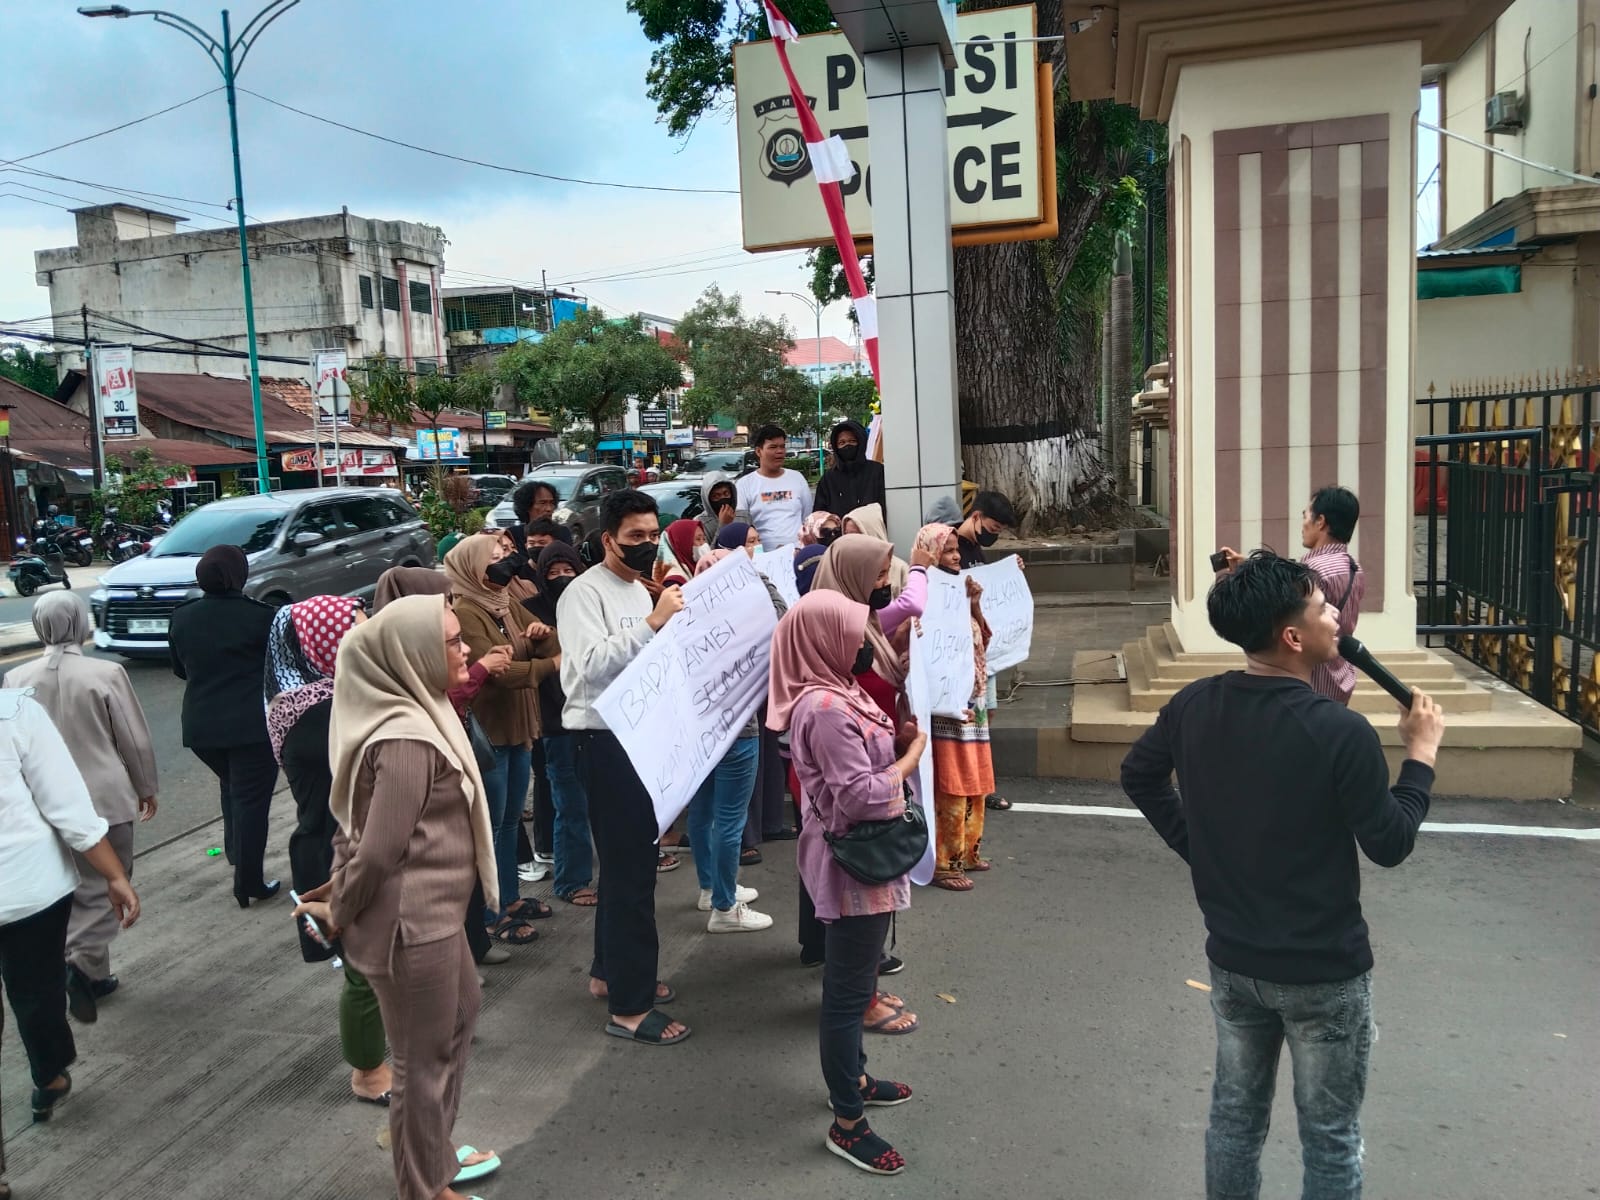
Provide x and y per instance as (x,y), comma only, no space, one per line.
(543,605)
(221,570)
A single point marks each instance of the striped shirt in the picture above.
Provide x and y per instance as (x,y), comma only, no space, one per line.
(1336,678)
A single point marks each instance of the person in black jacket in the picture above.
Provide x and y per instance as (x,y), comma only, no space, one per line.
(1280,786)
(219,646)
(854,480)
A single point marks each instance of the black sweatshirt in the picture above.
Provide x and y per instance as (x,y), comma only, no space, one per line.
(1279,785)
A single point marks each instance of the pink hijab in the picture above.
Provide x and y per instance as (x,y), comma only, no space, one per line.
(814,649)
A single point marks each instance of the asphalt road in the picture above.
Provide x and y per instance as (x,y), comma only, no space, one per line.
(1062,1052)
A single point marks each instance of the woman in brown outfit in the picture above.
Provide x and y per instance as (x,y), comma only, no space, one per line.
(413,835)
(508,706)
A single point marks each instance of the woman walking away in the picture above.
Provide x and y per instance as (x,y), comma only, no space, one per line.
(301,655)
(506,707)
(219,646)
(413,833)
(94,709)
(852,768)
(963,767)
(45,815)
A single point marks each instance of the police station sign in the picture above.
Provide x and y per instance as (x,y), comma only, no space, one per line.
(1001,170)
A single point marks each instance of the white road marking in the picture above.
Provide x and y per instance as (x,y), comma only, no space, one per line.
(1548,831)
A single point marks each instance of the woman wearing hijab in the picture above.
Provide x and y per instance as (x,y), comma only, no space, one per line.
(852,768)
(868,520)
(301,654)
(963,767)
(479,574)
(558,565)
(806,560)
(819,529)
(424,581)
(97,714)
(219,646)
(686,542)
(414,832)
(739,536)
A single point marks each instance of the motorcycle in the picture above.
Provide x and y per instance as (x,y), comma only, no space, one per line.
(45,565)
(77,546)
(119,542)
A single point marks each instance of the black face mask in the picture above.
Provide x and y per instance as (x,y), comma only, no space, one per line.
(829,535)
(863,662)
(988,537)
(847,454)
(879,598)
(501,573)
(639,558)
(554,587)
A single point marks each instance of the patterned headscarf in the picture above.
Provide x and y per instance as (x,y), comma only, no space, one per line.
(811,528)
(302,649)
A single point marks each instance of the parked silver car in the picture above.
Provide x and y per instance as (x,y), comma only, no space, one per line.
(328,541)
(581,487)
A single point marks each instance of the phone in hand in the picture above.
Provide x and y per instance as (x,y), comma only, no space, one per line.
(313,930)
(1219,561)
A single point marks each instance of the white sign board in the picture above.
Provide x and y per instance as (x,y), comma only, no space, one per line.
(684,699)
(118,395)
(330,383)
(778,566)
(947,637)
(992,100)
(1007,604)
(919,697)
(680,437)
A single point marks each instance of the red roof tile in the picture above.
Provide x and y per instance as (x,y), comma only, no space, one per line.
(834,351)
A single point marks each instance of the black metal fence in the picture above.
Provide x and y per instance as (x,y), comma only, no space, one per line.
(1510,576)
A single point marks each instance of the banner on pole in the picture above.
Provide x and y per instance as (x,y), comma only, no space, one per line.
(119,396)
(683,700)
(330,382)
(1007,604)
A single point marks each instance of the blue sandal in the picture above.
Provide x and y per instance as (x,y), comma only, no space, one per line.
(477,1170)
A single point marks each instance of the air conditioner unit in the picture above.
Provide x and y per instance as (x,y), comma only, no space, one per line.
(1503,113)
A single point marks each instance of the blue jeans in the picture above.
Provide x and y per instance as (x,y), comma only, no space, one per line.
(1329,1030)
(717,817)
(574,865)
(507,785)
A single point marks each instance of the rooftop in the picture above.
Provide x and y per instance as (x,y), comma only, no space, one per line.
(834,352)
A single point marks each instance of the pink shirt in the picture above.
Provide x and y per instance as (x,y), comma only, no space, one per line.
(1331,561)
(845,764)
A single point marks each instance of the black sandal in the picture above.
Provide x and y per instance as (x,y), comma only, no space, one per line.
(529,908)
(651,1031)
(862,1148)
(749,858)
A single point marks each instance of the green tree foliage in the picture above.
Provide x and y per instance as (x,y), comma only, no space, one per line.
(134,487)
(32,370)
(738,367)
(585,370)
(850,396)
(385,389)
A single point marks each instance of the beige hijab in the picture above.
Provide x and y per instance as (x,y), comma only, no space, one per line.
(392,682)
(851,567)
(869,521)
(465,564)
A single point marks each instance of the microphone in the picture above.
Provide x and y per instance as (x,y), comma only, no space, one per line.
(1357,655)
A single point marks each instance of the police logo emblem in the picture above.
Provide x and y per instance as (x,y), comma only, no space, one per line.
(783,146)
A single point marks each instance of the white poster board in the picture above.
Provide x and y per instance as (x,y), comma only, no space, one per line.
(119,394)
(778,566)
(683,701)
(1007,604)
(947,637)
(920,699)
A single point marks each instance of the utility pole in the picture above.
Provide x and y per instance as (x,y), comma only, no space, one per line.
(97,449)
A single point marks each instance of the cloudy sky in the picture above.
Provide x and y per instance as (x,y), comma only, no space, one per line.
(555,86)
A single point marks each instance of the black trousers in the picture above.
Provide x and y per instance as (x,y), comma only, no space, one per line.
(247,776)
(849,982)
(305,767)
(810,931)
(767,800)
(544,808)
(623,822)
(33,969)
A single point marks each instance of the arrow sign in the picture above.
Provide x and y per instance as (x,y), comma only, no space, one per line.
(984,117)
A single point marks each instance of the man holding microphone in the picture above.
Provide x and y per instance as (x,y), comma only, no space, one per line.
(1280,786)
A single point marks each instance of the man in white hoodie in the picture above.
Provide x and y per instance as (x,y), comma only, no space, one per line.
(606,616)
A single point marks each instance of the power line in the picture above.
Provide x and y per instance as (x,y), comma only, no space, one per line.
(476,162)
(107,187)
(89,137)
(1527,70)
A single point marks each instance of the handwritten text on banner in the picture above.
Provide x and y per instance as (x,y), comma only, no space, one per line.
(1007,605)
(778,566)
(947,638)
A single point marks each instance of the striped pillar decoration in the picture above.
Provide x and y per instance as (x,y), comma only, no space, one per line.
(1302,309)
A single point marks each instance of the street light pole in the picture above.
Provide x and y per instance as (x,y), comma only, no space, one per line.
(816,309)
(228,55)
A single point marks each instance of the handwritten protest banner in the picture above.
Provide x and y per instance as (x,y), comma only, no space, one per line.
(681,703)
(778,566)
(947,637)
(919,696)
(1007,605)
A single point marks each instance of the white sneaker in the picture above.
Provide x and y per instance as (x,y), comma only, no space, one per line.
(533,872)
(741,895)
(741,918)
(539,856)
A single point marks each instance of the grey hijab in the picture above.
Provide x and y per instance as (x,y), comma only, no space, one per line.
(61,619)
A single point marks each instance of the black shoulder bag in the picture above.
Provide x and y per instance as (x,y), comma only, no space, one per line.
(879,851)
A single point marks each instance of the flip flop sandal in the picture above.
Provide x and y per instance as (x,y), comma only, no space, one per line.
(382,1101)
(953,883)
(651,1031)
(883,1025)
(750,858)
(983,864)
(477,1170)
(665,862)
(513,932)
(582,898)
(997,802)
(530,909)
(891,1001)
